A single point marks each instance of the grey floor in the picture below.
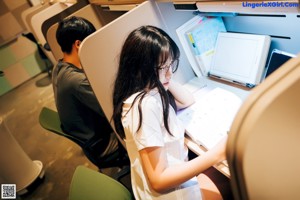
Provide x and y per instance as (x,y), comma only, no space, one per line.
(20,109)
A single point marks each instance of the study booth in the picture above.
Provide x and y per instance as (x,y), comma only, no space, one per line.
(91,12)
(99,52)
(41,19)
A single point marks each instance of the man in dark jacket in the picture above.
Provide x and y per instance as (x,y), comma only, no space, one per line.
(79,111)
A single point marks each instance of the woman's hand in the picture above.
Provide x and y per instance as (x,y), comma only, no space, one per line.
(219,150)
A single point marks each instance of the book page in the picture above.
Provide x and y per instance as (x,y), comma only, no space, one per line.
(203,39)
(209,119)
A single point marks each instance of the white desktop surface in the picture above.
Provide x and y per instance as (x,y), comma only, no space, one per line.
(196,84)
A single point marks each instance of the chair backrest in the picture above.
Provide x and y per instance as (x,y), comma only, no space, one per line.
(264,140)
(92,185)
(49,120)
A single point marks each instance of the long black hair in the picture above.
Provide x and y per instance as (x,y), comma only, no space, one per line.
(144,51)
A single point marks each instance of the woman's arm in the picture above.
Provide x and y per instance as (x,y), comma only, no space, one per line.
(183,97)
(163,177)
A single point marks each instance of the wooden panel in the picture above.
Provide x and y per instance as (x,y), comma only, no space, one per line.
(115,2)
(249,6)
(10,20)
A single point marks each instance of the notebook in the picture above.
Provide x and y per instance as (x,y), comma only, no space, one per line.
(240,58)
(277,58)
(198,37)
(209,119)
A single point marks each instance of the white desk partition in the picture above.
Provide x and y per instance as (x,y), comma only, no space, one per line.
(86,12)
(27,15)
(263,143)
(38,19)
(52,42)
(99,53)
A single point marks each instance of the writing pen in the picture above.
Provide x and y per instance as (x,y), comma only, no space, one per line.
(193,43)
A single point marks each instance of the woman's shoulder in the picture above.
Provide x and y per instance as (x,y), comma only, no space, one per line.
(153,96)
(149,96)
(150,100)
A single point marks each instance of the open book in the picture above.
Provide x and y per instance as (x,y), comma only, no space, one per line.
(209,119)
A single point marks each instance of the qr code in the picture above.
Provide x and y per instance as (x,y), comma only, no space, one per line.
(8,191)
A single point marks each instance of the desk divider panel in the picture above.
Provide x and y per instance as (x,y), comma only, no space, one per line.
(99,52)
(263,142)
(88,12)
(38,19)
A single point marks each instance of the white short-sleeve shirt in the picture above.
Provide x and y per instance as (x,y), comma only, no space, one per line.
(153,133)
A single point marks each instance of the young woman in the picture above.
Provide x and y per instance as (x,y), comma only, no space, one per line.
(145,102)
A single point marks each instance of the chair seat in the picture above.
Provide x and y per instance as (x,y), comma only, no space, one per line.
(91,185)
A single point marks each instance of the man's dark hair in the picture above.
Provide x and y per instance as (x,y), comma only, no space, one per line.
(71,29)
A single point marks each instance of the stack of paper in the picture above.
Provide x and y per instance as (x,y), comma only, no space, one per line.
(210,118)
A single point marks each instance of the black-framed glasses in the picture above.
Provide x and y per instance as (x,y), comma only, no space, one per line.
(165,68)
